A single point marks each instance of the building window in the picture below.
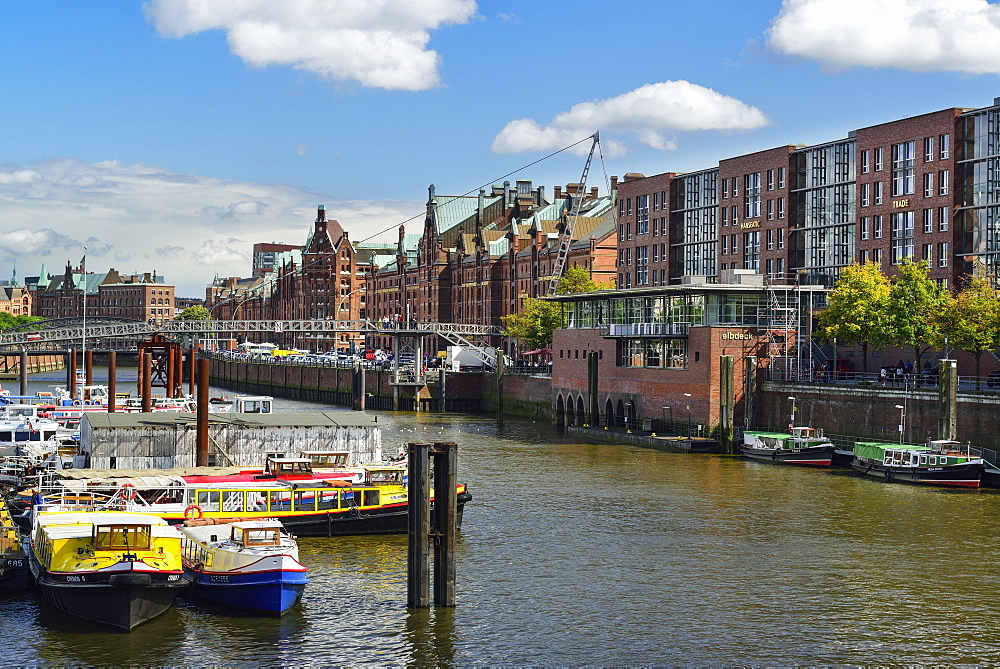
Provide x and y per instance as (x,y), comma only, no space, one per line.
(862,257)
(902,168)
(770,210)
(866,161)
(927,254)
(879,162)
(751,195)
(943,253)
(781,207)
(725,188)
(928,149)
(770,179)
(781,240)
(877,256)
(878,192)
(902,237)
(781,177)
(770,242)
(734,239)
(642,215)
(628,256)
(628,207)
(656,254)
(928,221)
(877,226)
(641,265)
(944,143)
(943,182)
(943,218)
(725,244)
(628,229)
(929,184)
(732,183)
(866,195)
(725,216)
(751,250)
(733,214)
(656,201)
(864,227)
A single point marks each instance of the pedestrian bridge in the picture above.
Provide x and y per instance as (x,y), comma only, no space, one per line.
(60,333)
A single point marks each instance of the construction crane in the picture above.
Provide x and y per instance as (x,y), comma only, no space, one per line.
(566,238)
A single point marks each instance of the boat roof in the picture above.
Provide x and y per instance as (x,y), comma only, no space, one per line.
(90,518)
(777,435)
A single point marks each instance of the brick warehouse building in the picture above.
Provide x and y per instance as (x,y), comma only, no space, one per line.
(921,188)
(140,297)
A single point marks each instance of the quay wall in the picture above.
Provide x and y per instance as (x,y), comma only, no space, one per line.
(523,395)
(463,392)
(870,414)
(10,365)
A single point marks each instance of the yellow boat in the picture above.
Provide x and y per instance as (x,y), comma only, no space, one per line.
(13,562)
(119,569)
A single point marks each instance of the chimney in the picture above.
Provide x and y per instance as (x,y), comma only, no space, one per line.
(540,196)
(558,193)
(614,184)
(593,192)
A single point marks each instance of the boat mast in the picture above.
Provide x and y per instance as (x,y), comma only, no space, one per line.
(83,284)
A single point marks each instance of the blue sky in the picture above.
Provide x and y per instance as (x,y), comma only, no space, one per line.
(174,134)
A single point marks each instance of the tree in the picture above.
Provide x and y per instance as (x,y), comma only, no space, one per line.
(914,302)
(8,320)
(971,321)
(858,311)
(534,324)
(195,313)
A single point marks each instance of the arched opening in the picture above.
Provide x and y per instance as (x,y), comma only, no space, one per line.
(609,414)
(560,413)
(620,414)
(581,416)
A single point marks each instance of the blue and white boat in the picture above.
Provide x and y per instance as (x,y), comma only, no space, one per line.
(245,564)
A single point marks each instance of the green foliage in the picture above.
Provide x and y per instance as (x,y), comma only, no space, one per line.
(971,321)
(534,324)
(858,311)
(915,301)
(195,313)
(8,321)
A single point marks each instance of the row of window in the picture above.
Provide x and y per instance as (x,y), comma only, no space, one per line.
(752,185)
(904,152)
(871,227)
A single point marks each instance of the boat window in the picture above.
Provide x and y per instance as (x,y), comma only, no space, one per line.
(327,499)
(923,459)
(942,460)
(349,499)
(256,500)
(21,435)
(933,459)
(208,500)
(280,500)
(122,537)
(305,501)
(232,500)
(6,436)
(256,536)
(371,498)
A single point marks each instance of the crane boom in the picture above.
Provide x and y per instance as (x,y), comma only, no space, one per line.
(566,238)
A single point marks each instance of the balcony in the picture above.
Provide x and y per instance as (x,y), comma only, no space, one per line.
(649,330)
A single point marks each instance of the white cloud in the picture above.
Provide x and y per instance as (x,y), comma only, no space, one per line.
(378,43)
(915,35)
(652,113)
(141,217)
(300,149)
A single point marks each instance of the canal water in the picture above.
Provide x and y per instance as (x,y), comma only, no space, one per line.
(604,554)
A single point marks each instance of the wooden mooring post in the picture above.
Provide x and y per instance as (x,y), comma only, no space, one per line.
(22,372)
(438,529)
(112,379)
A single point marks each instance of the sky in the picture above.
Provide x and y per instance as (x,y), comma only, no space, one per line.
(172,135)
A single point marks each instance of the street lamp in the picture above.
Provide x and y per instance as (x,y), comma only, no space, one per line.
(902,418)
(671,410)
(689,415)
(791,421)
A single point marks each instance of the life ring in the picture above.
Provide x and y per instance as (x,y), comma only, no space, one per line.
(128,492)
(191,510)
(76,403)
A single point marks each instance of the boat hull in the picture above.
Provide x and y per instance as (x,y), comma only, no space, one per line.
(965,475)
(271,593)
(813,456)
(121,602)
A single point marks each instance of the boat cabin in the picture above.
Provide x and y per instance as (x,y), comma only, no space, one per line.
(385,475)
(326,459)
(279,467)
(123,537)
(806,432)
(254,534)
